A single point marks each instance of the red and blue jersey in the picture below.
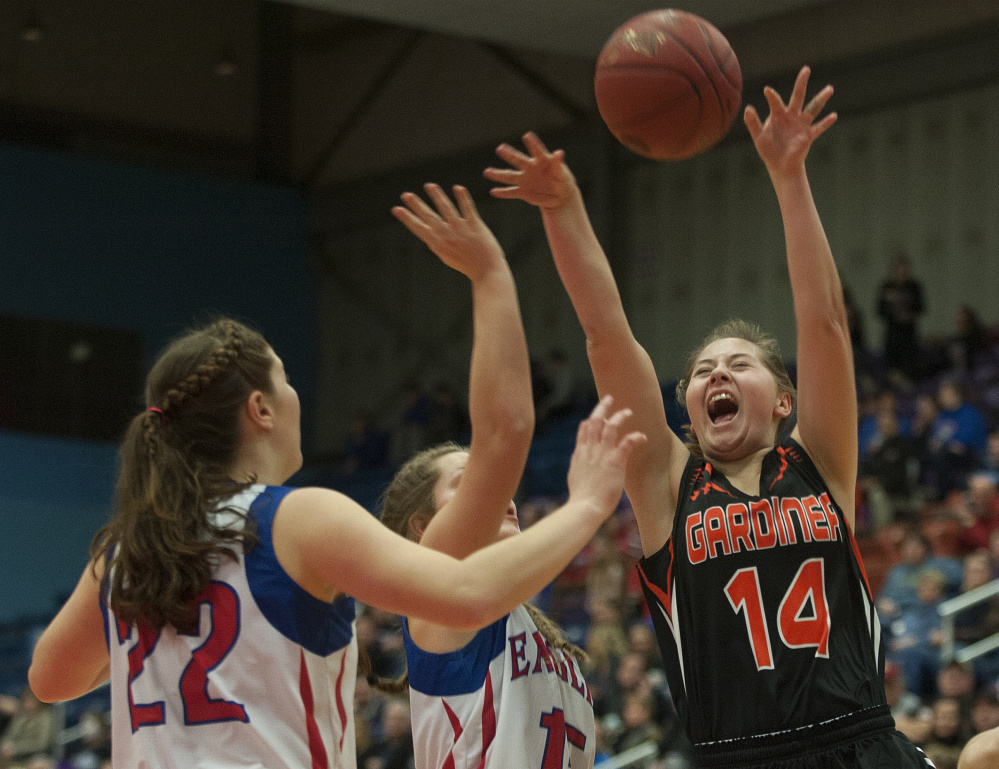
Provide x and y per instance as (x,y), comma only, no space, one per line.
(265,679)
(506,699)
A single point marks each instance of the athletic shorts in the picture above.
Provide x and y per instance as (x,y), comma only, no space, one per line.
(864,740)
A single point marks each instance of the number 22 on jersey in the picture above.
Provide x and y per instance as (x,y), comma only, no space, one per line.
(199,707)
(802,617)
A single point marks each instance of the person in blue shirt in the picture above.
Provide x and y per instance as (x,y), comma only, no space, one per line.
(957,441)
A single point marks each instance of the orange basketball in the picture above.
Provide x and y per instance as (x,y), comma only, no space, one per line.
(668,84)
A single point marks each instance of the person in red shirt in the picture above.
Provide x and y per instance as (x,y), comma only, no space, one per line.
(977,510)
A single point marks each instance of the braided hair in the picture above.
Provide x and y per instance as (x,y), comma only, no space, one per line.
(162,539)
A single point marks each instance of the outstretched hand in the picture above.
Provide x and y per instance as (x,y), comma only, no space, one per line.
(600,459)
(540,178)
(784,139)
(458,236)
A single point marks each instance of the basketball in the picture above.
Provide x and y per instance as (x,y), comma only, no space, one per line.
(668,84)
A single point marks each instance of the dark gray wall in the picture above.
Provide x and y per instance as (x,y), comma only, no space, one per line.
(149,251)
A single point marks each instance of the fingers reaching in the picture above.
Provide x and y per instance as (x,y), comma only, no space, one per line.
(534,174)
(818,102)
(441,201)
(604,425)
(465,202)
(800,87)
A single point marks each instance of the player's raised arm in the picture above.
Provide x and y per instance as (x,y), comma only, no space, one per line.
(501,407)
(621,366)
(827,400)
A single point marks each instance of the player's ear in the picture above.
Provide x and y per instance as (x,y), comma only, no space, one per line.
(417,525)
(784,405)
(257,410)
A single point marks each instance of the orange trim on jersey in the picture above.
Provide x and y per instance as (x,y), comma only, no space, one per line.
(782,453)
(709,485)
(860,561)
(317,751)
(656,591)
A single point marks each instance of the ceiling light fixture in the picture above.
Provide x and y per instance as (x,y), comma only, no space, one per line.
(32,30)
(225,66)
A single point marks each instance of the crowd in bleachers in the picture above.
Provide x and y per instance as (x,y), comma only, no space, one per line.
(927,528)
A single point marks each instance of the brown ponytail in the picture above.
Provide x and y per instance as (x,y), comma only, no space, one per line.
(162,540)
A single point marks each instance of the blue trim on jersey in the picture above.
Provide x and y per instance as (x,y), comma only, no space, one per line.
(319,627)
(462,671)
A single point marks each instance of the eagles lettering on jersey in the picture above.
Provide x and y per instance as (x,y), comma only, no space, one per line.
(545,662)
(506,698)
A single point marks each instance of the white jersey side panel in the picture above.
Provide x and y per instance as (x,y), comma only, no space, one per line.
(266,681)
(505,700)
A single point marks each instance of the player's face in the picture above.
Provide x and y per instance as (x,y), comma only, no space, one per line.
(733,401)
(287,417)
(452,467)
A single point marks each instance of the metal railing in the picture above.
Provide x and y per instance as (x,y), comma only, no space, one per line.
(950,608)
(638,756)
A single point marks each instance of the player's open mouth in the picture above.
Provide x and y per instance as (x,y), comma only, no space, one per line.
(722,407)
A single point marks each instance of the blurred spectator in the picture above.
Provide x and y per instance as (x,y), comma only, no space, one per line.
(985,710)
(631,677)
(948,733)
(638,724)
(899,305)
(956,443)
(858,340)
(898,593)
(395,749)
(30,732)
(991,461)
(977,510)
(605,573)
(994,552)
(870,433)
(912,717)
(965,346)
(957,680)
(411,432)
(889,476)
(448,417)
(980,620)
(562,396)
(369,704)
(379,634)
(8,707)
(916,635)
(642,640)
(366,446)
(604,749)
(605,644)
(94,745)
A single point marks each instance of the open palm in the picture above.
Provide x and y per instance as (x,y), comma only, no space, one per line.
(784,139)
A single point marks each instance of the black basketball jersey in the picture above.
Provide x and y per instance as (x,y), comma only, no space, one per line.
(761,605)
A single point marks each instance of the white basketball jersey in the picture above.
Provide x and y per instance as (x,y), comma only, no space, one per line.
(266,681)
(505,700)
